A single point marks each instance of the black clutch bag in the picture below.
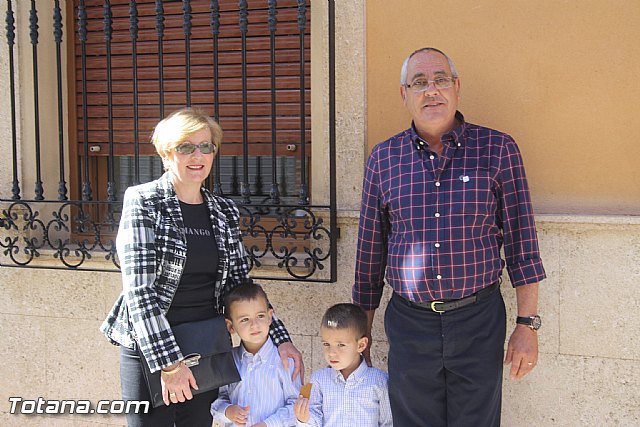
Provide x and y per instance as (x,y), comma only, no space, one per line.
(206,345)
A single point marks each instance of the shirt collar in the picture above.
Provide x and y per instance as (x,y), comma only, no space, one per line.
(262,355)
(454,136)
(357,375)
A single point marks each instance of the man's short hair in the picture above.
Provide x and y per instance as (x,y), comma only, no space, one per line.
(405,64)
(346,316)
(244,292)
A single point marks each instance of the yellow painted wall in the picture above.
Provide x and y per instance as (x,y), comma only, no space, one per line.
(562,77)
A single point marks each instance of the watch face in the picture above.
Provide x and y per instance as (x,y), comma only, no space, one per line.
(536,322)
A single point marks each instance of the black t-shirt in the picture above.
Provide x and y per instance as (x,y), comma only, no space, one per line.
(194,299)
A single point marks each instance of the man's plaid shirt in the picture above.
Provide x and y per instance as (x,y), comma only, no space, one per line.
(437,224)
(152,250)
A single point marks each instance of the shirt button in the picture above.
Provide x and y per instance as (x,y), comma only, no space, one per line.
(432,157)
(439,276)
(437,215)
(437,183)
(437,245)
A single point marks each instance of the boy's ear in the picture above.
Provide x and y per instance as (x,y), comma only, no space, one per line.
(270,315)
(362,344)
(229,326)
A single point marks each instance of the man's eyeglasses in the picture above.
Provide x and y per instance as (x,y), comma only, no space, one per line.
(188,148)
(422,85)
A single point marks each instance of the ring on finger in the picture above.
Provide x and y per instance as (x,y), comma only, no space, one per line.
(172,395)
(530,363)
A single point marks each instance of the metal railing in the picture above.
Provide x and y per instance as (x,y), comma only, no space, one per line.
(287,238)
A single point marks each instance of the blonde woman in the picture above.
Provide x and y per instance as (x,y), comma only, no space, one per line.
(181,252)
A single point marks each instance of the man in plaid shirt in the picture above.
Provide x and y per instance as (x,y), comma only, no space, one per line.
(439,201)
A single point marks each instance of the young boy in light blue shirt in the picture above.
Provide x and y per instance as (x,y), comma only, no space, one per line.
(266,394)
(348,392)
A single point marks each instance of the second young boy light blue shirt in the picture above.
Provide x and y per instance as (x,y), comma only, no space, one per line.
(361,400)
(266,387)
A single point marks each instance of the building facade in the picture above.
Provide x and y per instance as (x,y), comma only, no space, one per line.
(528,69)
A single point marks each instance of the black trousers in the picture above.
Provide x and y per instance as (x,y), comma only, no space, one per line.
(192,413)
(445,370)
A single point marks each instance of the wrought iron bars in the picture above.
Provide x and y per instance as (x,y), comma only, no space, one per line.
(186,9)
(274,193)
(33,20)
(245,192)
(82,32)
(160,33)
(57,32)
(11,36)
(297,238)
(108,35)
(215,32)
(133,30)
(333,197)
(302,22)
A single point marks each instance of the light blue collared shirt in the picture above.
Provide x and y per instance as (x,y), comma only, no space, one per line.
(266,387)
(361,400)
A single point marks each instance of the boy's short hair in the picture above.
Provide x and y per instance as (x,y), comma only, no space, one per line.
(245,292)
(346,316)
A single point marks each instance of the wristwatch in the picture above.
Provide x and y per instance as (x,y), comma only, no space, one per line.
(534,322)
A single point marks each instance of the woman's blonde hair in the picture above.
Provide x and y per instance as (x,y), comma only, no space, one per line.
(178,126)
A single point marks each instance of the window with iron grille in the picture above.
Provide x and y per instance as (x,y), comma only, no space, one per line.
(130,63)
(156,57)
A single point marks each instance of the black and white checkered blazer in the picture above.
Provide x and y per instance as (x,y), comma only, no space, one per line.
(152,249)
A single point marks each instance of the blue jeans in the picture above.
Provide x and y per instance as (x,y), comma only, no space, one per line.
(192,413)
(445,370)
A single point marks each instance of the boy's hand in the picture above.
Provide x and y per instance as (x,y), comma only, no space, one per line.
(237,414)
(301,409)
(262,424)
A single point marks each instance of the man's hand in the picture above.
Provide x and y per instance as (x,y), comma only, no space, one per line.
(367,351)
(237,414)
(301,409)
(522,351)
(288,350)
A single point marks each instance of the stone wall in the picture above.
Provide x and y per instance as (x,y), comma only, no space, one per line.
(587,375)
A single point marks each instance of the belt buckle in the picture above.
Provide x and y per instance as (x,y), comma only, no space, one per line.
(433,306)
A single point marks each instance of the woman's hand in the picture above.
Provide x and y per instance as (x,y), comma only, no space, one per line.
(288,350)
(177,384)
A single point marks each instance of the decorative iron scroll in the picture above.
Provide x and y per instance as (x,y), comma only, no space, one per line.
(294,238)
(282,242)
(61,234)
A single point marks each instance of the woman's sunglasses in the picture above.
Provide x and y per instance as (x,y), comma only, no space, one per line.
(188,148)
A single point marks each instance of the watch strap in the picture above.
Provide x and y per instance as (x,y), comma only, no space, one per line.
(533,322)
(524,320)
